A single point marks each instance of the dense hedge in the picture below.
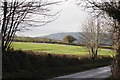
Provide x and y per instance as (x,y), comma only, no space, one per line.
(19,64)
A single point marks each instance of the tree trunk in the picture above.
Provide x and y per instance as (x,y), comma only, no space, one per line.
(92,53)
(0,56)
(116,47)
(3,27)
(97,36)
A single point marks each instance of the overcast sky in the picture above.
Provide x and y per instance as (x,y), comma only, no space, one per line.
(70,19)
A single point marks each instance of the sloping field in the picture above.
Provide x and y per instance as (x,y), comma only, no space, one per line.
(56,48)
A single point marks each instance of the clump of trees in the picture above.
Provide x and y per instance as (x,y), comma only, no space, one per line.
(69,39)
(91,37)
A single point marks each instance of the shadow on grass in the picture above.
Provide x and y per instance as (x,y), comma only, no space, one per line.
(19,64)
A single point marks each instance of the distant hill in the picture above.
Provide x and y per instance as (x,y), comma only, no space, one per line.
(59,36)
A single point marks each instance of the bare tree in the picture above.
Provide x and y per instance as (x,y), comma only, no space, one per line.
(91,37)
(112,9)
(21,14)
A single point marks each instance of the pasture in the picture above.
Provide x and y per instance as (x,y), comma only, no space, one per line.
(57,48)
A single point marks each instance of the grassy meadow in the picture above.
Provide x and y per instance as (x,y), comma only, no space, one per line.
(57,48)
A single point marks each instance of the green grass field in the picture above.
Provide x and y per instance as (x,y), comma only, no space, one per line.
(57,48)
